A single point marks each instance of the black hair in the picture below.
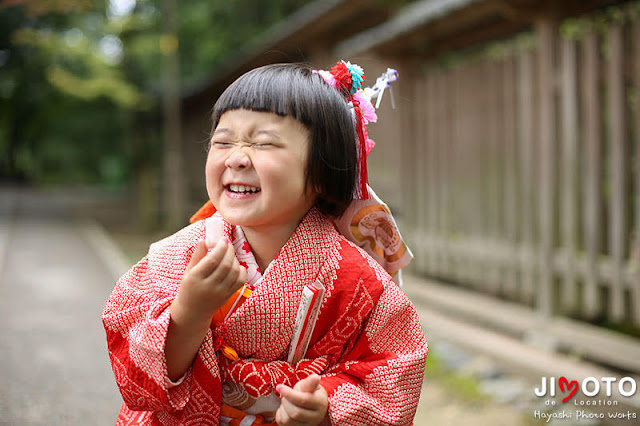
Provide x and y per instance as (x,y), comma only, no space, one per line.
(293,89)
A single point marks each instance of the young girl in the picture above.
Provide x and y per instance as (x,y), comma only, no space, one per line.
(199,331)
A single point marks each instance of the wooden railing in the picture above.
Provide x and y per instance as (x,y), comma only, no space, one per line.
(514,169)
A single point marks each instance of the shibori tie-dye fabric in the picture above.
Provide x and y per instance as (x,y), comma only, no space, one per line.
(367,345)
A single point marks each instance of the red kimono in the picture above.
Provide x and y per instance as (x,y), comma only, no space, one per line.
(367,344)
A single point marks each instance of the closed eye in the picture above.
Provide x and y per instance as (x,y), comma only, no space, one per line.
(222,144)
(263,144)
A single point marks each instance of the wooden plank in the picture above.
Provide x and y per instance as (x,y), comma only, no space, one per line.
(618,200)
(525,140)
(478,250)
(445,148)
(439,167)
(435,169)
(546,29)
(420,112)
(593,342)
(501,166)
(495,166)
(592,125)
(510,178)
(432,199)
(483,141)
(466,98)
(459,212)
(570,165)
(635,288)
(406,149)
(475,194)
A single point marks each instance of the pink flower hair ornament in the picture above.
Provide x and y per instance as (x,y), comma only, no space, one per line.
(348,78)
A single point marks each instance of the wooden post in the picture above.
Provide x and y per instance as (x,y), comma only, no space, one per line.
(635,288)
(527,160)
(407,154)
(546,29)
(617,205)
(438,150)
(432,171)
(569,171)
(483,141)
(592,138)
(456,201)
(445,163)
(510,177)
(493,171)
(420,165)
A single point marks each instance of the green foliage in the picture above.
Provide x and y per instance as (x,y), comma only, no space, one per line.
(80,85)
(461,386)
(62,95)
(214,33)
(577,28)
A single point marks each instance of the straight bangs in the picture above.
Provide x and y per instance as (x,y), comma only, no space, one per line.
(282,89)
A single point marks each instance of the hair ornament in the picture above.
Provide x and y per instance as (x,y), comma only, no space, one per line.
(382,83)
(368,221)
(348,78)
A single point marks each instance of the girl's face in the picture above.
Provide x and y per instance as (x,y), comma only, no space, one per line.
(256,169)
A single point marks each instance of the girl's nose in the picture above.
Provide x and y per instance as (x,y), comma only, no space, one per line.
(238,159)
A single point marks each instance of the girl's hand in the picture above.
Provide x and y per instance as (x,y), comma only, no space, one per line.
(306,404)
(209,280)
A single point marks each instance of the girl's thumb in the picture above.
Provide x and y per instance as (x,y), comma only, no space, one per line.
(309,384)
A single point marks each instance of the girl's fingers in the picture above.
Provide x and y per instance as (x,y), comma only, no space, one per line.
(199,253)
(291,414)
(306,403)
(226,272)
(235,278)
(209,264)
(298,398)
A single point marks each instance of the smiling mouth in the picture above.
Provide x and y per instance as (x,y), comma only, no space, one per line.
(242,189)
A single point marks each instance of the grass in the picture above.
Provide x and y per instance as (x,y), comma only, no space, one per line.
(461,386)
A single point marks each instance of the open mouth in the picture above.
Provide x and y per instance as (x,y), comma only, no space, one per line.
(242,189)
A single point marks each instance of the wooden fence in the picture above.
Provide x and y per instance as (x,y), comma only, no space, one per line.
(515,169)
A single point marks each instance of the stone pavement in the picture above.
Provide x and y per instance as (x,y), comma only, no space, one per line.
(54,369)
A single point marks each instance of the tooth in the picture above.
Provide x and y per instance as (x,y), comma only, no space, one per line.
(241,188)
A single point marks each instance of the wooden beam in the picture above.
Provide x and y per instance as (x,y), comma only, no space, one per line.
(533,10)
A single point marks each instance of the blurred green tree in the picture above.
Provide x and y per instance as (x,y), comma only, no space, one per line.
(62,93)
(81,81)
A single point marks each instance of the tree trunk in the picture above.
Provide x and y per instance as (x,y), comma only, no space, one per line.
(174,181)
